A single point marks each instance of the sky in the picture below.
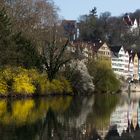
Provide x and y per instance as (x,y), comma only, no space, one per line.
(72,9)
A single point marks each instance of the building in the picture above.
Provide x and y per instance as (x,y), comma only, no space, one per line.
(120,61)
(104,53)
(136,68)
(139,65)
(70,29)
(123,63)
(133,25)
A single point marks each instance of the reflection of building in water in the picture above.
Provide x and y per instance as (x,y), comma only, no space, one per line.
(119,118)
(125,116)
(134,119)
(103,132)
(139,115)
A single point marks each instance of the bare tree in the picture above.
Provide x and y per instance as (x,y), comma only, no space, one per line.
(32,16)
(55,55)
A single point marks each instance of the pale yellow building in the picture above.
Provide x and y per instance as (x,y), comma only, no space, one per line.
(135,72)
(104,53)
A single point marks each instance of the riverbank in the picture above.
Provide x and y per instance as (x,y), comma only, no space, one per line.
(20,96)
(133,87)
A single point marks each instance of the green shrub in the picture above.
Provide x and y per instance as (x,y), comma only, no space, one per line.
(42,83)
(66,84)
(55,86)
(103,77)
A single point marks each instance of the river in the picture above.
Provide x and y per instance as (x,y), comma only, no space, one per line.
(96,117)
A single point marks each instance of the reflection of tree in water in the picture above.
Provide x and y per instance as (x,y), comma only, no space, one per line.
(60,119)
(102,109)
(75,107)
(12,132)
(112,133)
(26,118)
(105,104)
(99,118)
(24,111)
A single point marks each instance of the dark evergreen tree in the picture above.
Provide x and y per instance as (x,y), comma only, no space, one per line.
(87,24)
(15,49)
(7,47)
(26,52)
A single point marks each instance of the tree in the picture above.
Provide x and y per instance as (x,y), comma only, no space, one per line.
(15,48)
(103,25)
(103,77)
(26,52)
(34,18)
(87,26)
(54,57)
(7,46)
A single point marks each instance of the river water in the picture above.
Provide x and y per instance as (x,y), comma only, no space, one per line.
(96,117)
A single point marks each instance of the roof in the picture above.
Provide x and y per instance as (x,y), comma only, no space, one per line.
(96,45)
(130,21)
(115,49)
(69,26)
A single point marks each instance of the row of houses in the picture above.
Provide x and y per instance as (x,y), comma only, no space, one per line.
(123,62)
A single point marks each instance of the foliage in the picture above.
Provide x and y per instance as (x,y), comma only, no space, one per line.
(3,87)
(7,48)
(103,77)
(6,77)
(77,73)
(54,86)
(5,27)
(8,73)
(15,48)
(30,17)
(27,54)
(22,84)
(110,29)
(87,26)
(18,80)
(66,84)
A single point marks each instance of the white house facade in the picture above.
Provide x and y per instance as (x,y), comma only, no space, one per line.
(119,62)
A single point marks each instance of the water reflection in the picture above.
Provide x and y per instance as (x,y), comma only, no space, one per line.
(28,111)
(94,117)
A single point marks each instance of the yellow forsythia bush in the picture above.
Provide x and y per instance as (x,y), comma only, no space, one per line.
(17,80)
(23,84)
(32,73)
(3,87)
(8,73)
